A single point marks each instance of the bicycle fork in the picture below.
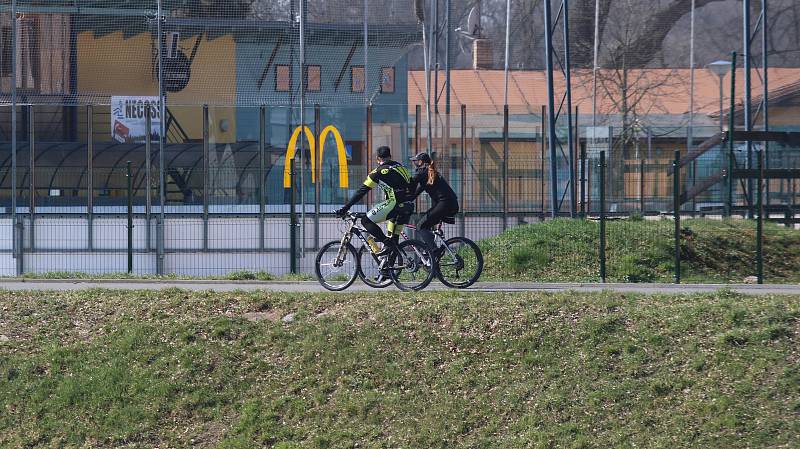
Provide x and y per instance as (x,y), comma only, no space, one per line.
(342,250)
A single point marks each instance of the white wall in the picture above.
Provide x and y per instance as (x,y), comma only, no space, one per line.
(61,244)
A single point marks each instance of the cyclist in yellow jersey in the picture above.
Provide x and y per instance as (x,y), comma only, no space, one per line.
(394,180)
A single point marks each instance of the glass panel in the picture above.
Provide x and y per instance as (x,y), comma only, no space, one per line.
(60,177)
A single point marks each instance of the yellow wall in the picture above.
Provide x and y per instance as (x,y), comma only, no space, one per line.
(782,116)
(113,65)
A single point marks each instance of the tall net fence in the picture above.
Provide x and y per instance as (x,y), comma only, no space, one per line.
(238,117)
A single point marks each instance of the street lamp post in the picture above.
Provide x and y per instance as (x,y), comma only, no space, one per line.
(720,68)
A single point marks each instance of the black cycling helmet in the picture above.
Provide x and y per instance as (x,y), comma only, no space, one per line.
(384,152)
(422,157)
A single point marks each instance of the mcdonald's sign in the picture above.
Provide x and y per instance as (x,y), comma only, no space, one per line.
(316,163)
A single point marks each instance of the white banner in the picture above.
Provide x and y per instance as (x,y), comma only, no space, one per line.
(128,119)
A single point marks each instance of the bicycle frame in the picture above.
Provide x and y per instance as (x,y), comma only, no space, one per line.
(438,235)
(348,236)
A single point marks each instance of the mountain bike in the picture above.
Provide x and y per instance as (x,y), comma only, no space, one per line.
(458,262)
(337,264)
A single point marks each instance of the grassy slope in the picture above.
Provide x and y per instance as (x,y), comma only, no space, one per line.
(177,369)
(641,251)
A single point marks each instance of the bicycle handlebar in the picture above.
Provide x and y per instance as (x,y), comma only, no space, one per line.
(352,215)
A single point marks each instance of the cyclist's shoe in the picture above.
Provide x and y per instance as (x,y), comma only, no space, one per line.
(384,252)
(387,259)
(388,247)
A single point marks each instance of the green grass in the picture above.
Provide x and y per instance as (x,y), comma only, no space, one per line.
(171,368)
(641,251)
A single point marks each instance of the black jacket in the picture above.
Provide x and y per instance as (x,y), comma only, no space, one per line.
(440,190)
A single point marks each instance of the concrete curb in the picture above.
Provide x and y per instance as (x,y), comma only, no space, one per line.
(151,281)
(313,287)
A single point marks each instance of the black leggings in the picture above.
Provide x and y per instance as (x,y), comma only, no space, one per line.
(432,217)
(435,214)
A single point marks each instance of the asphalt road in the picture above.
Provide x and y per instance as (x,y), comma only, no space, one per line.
(309,287)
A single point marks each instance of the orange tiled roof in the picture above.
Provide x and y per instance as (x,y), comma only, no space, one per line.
(660,91)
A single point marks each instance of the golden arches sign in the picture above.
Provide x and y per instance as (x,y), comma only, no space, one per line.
(291,149)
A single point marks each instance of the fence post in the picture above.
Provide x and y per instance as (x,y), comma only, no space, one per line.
(368,150)
(206,174)
(541,158)
(641,186)
(148,200)
(317,163)
(17,247)
(463,224)
(19,242)
(573,151)
(676,206)
(731,126)
(32,177)
(292,221)
(603,216)
(505,167)
(760,222)
(262,142)
(417,125)
(89,178)
(130,217)
(583,179)
(160,244)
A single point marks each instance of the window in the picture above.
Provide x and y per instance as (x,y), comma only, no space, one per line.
(313,78)
(387,80)
(283,78)
(28,53)
(5,51)
(357,78)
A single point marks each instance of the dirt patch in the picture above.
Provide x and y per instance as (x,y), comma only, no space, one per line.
(273,316)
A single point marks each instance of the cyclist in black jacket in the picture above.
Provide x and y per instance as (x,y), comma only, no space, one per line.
(394,180)
(443,198)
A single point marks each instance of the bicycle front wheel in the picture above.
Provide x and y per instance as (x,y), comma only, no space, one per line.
(336,266)
(369,270)
(412,269)
(461,263)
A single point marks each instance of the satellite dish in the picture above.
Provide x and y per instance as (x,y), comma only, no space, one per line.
(464,50)
(473,23)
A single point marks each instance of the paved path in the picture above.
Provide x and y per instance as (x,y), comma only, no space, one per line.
(29,284)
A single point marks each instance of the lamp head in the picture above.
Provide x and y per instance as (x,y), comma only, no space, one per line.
(719,68)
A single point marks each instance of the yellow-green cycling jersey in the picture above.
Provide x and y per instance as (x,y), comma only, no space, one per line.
(392,178)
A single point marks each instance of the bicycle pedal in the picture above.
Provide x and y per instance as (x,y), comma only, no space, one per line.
(438,252)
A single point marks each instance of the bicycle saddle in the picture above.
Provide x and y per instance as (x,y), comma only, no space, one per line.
(449,220)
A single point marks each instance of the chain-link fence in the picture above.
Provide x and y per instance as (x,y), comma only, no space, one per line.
(229,205)
(246,123)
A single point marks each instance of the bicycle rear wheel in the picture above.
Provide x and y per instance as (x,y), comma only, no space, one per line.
(461,263)
(336,267)
(413,270)
(369,271)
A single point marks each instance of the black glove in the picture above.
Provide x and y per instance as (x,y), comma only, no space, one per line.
(341,213)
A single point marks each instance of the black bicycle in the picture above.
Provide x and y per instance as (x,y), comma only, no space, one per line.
(338,264)
(458,262)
